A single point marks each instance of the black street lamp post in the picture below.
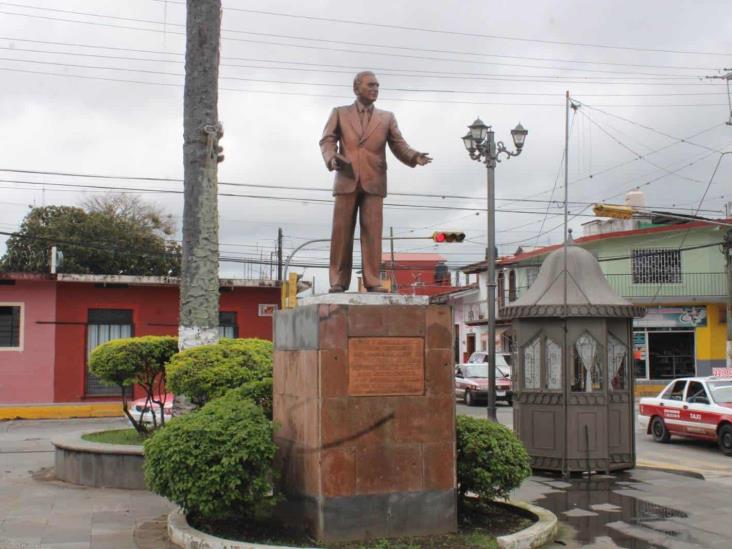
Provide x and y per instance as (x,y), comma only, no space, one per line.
(482,147)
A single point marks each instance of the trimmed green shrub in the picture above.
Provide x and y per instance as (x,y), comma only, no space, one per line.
(491,460)
(258,391)
(135,361)
(208,371)
(215,462)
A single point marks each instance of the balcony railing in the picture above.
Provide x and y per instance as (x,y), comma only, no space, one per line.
(692,285)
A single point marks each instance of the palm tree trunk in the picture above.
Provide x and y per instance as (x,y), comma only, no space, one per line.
(199,281)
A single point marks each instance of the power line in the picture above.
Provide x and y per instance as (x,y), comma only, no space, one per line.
(460,33)
(556,179)
(166,24)
(350,98)
(351,67)
(657,131)
(260,186)
(277,198)
(303,46)
(638,155)
(273,81)
(321,84)
(635,159)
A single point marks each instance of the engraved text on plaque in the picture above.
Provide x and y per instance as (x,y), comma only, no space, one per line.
(385,366)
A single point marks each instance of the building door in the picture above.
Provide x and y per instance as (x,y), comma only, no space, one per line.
(470,347)
(671,354)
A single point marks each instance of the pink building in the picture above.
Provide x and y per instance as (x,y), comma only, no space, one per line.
(49,324)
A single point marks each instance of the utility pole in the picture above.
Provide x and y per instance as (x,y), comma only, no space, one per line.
(393,265)
(726,77)
(279,254)
(199,281)
(727,247)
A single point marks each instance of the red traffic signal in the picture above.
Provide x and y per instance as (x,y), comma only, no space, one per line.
(448,236)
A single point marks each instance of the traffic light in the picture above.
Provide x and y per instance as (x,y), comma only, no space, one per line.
(613,210)
(448,236)
(289,291)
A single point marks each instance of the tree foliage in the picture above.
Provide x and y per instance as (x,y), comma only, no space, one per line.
(208,371)
(215,462)
(136,361)
(491,461)
(119,236)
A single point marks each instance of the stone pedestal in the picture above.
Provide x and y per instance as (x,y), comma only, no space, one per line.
(365,406)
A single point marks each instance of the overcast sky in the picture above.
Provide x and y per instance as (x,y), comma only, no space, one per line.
(95,87)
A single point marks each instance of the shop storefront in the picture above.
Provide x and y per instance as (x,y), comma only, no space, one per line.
(664,342)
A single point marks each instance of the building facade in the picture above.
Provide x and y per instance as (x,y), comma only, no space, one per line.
(49,324)
(675,271)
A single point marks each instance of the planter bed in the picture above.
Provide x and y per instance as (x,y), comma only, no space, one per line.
(97,464)
(536,531)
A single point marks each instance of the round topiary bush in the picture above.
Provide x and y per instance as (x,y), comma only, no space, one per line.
(208,371)
(136,361)
(215,462)
(491,460)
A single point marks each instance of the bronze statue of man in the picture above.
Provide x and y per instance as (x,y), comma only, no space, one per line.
(354,145)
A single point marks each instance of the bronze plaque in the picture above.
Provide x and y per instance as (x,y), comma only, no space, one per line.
(385,366)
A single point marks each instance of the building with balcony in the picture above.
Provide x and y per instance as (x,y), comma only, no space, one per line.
(675,270)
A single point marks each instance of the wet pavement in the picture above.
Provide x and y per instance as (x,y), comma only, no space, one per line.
(635,509)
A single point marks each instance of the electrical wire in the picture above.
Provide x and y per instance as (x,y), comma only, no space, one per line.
(304,38)
(443,196)
(304,46)
(467,34)
(382,70)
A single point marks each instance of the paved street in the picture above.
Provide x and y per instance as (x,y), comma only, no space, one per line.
(640,509)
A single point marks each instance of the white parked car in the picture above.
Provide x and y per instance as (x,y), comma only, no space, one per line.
(691,407)
(142,411)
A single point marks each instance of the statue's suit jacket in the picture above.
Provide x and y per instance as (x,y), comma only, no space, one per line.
(364,149)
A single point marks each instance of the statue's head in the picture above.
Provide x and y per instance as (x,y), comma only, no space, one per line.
(366,87)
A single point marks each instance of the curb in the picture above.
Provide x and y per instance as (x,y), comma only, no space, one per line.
(61,411)
(669,468)
(98,465)
(184,535)
(541,532)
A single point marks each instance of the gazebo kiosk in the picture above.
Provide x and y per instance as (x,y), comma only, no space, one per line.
(573,388)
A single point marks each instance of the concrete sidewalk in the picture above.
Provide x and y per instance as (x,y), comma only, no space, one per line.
(37,511)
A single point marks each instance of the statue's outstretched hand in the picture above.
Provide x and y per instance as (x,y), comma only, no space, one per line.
(423,159)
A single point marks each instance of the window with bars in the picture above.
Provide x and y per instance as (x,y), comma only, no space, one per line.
(10,326)
(227,325)
(656,266)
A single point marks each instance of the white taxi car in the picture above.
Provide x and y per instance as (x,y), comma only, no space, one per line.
(692,407)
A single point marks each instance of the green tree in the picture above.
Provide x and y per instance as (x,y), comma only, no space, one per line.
(136,361)
(102,240)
